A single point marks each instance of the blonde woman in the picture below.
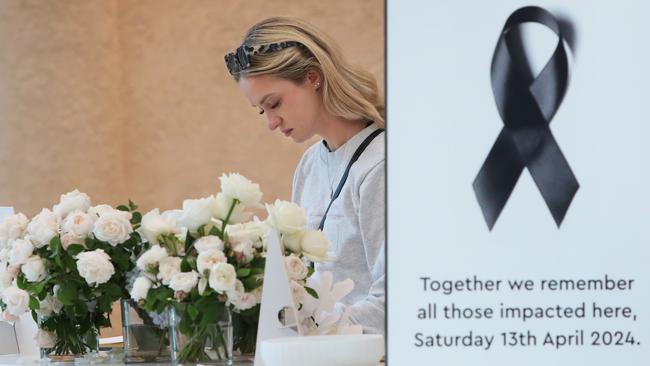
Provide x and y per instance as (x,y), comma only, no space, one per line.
(304,87)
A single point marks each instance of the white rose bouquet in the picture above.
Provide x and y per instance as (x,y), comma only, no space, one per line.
(67,266)
(205,260)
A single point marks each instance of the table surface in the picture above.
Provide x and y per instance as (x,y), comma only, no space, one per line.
(30,360)
(17,360)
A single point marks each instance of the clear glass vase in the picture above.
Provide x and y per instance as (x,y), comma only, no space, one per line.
(69,346)
(199,341)
(245,334)
(146,336)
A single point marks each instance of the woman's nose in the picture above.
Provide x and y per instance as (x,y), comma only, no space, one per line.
(273,122)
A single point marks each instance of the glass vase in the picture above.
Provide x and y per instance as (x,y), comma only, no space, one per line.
(202,338)
(146,336)
(68,344)
(245,325)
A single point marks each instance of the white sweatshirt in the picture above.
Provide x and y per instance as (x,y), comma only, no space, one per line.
(355,223)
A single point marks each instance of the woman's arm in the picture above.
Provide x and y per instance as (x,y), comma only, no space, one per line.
(372,221)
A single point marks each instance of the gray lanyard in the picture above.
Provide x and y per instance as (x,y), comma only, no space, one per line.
(355,157)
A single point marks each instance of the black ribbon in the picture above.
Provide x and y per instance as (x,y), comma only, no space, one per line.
(526,106)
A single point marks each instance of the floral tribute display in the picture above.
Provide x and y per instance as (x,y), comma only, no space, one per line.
(206,265)
(67,266)
(193,276)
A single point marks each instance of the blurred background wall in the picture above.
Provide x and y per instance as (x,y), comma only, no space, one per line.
(131,99)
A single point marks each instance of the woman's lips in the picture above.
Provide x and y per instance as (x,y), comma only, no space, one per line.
(287,132)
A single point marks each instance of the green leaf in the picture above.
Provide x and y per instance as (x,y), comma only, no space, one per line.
(90,244)
(113,290)
(75,249)
(132,206)
(69,262)
(310,271)
(136,218)
(192,311)
(104,303)
(251,283)
(312,292)
(21,282)
(188,264)
(243,272)
(215,231)
(37,288)
(55,245)
(68,293)
(257,271)
(33,303)
(122,208)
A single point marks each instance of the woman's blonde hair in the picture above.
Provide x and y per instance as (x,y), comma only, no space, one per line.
(348,91)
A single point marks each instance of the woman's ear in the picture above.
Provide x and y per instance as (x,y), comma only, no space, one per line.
(314,78)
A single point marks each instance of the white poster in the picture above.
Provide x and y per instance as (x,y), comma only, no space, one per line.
(539,253)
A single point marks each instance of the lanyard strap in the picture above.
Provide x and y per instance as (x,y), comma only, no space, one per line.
(355,157)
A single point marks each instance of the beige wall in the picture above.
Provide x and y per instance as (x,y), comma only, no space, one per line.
(131,99)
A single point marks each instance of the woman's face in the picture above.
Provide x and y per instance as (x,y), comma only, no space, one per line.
(292,107)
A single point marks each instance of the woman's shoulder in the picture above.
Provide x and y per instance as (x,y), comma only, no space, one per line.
(374,157)
(311,157)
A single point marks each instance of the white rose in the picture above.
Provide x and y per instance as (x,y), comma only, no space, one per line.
(71,201)
(221,206)
(246,301)
(292,241)
(209,258)
(20,250)
(154,224)
(69,239)
(238,187)
(49,305)
(208,243)
(148,261)
(196,213)
(296,268)
(184,281)
(45,339)
(13,269)
(254,231)
(244,252)
(222,277)
(13,227)
(113,227)
(288,216)
(100,210)
(298,292)
(43,228)
(167,268)
(235,292)
(34,269)
(315,245)
(6,278)
(141,288)
(95,267)
(4,254)
(16,300)
(79,224)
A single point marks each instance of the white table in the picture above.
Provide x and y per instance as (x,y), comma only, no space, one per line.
(16,360)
